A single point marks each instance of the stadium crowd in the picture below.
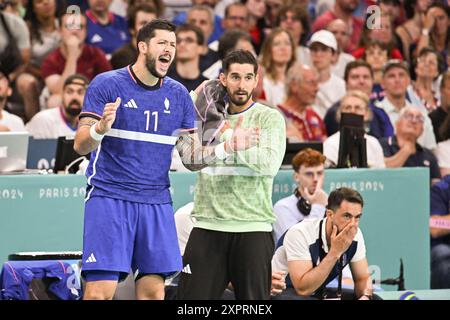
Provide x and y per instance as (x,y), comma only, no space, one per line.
(387,60)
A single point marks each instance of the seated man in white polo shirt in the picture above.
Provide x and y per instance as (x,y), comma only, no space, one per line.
(313,252)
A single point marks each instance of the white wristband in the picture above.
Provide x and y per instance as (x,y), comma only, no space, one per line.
(193,95)
(220,152)
(94,135)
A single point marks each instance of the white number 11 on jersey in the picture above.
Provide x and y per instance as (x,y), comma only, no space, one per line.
(155,125)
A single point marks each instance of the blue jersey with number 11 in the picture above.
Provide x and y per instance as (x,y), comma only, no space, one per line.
(133,160)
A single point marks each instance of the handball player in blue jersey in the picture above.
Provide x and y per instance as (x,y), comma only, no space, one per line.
(131,119)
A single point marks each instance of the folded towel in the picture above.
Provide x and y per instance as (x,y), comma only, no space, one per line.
(210,107)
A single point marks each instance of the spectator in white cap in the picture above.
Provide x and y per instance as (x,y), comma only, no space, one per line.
(323,48)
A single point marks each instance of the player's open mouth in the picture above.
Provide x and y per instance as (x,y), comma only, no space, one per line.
(164,59)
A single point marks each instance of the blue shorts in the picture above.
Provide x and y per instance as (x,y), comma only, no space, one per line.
(120,236)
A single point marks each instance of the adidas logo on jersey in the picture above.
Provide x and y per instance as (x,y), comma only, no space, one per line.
(187,269)
(91,259)
(96,38)
(131,104)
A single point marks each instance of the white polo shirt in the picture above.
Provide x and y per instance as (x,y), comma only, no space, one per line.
(287,215)
(301,238)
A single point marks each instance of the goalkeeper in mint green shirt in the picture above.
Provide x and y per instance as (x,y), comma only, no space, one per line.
(231,241)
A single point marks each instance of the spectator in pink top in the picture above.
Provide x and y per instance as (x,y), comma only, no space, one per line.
(343,9)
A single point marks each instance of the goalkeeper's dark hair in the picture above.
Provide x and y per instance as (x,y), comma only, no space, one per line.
(240,57)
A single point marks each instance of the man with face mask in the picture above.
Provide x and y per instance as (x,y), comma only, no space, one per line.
(131,119)
(56,122)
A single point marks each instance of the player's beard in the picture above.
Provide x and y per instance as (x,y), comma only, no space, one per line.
(73,111)
(150,63)
(239,101)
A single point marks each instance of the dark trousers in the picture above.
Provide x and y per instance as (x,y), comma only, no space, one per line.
(440,266)
(214,259)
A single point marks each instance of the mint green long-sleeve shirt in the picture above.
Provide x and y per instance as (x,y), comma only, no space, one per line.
(235,195)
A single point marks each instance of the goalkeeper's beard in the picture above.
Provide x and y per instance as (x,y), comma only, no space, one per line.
(239,101)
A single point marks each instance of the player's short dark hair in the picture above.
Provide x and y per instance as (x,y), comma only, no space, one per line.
(339,195)
(240,57)
(147,32)
(191,27)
